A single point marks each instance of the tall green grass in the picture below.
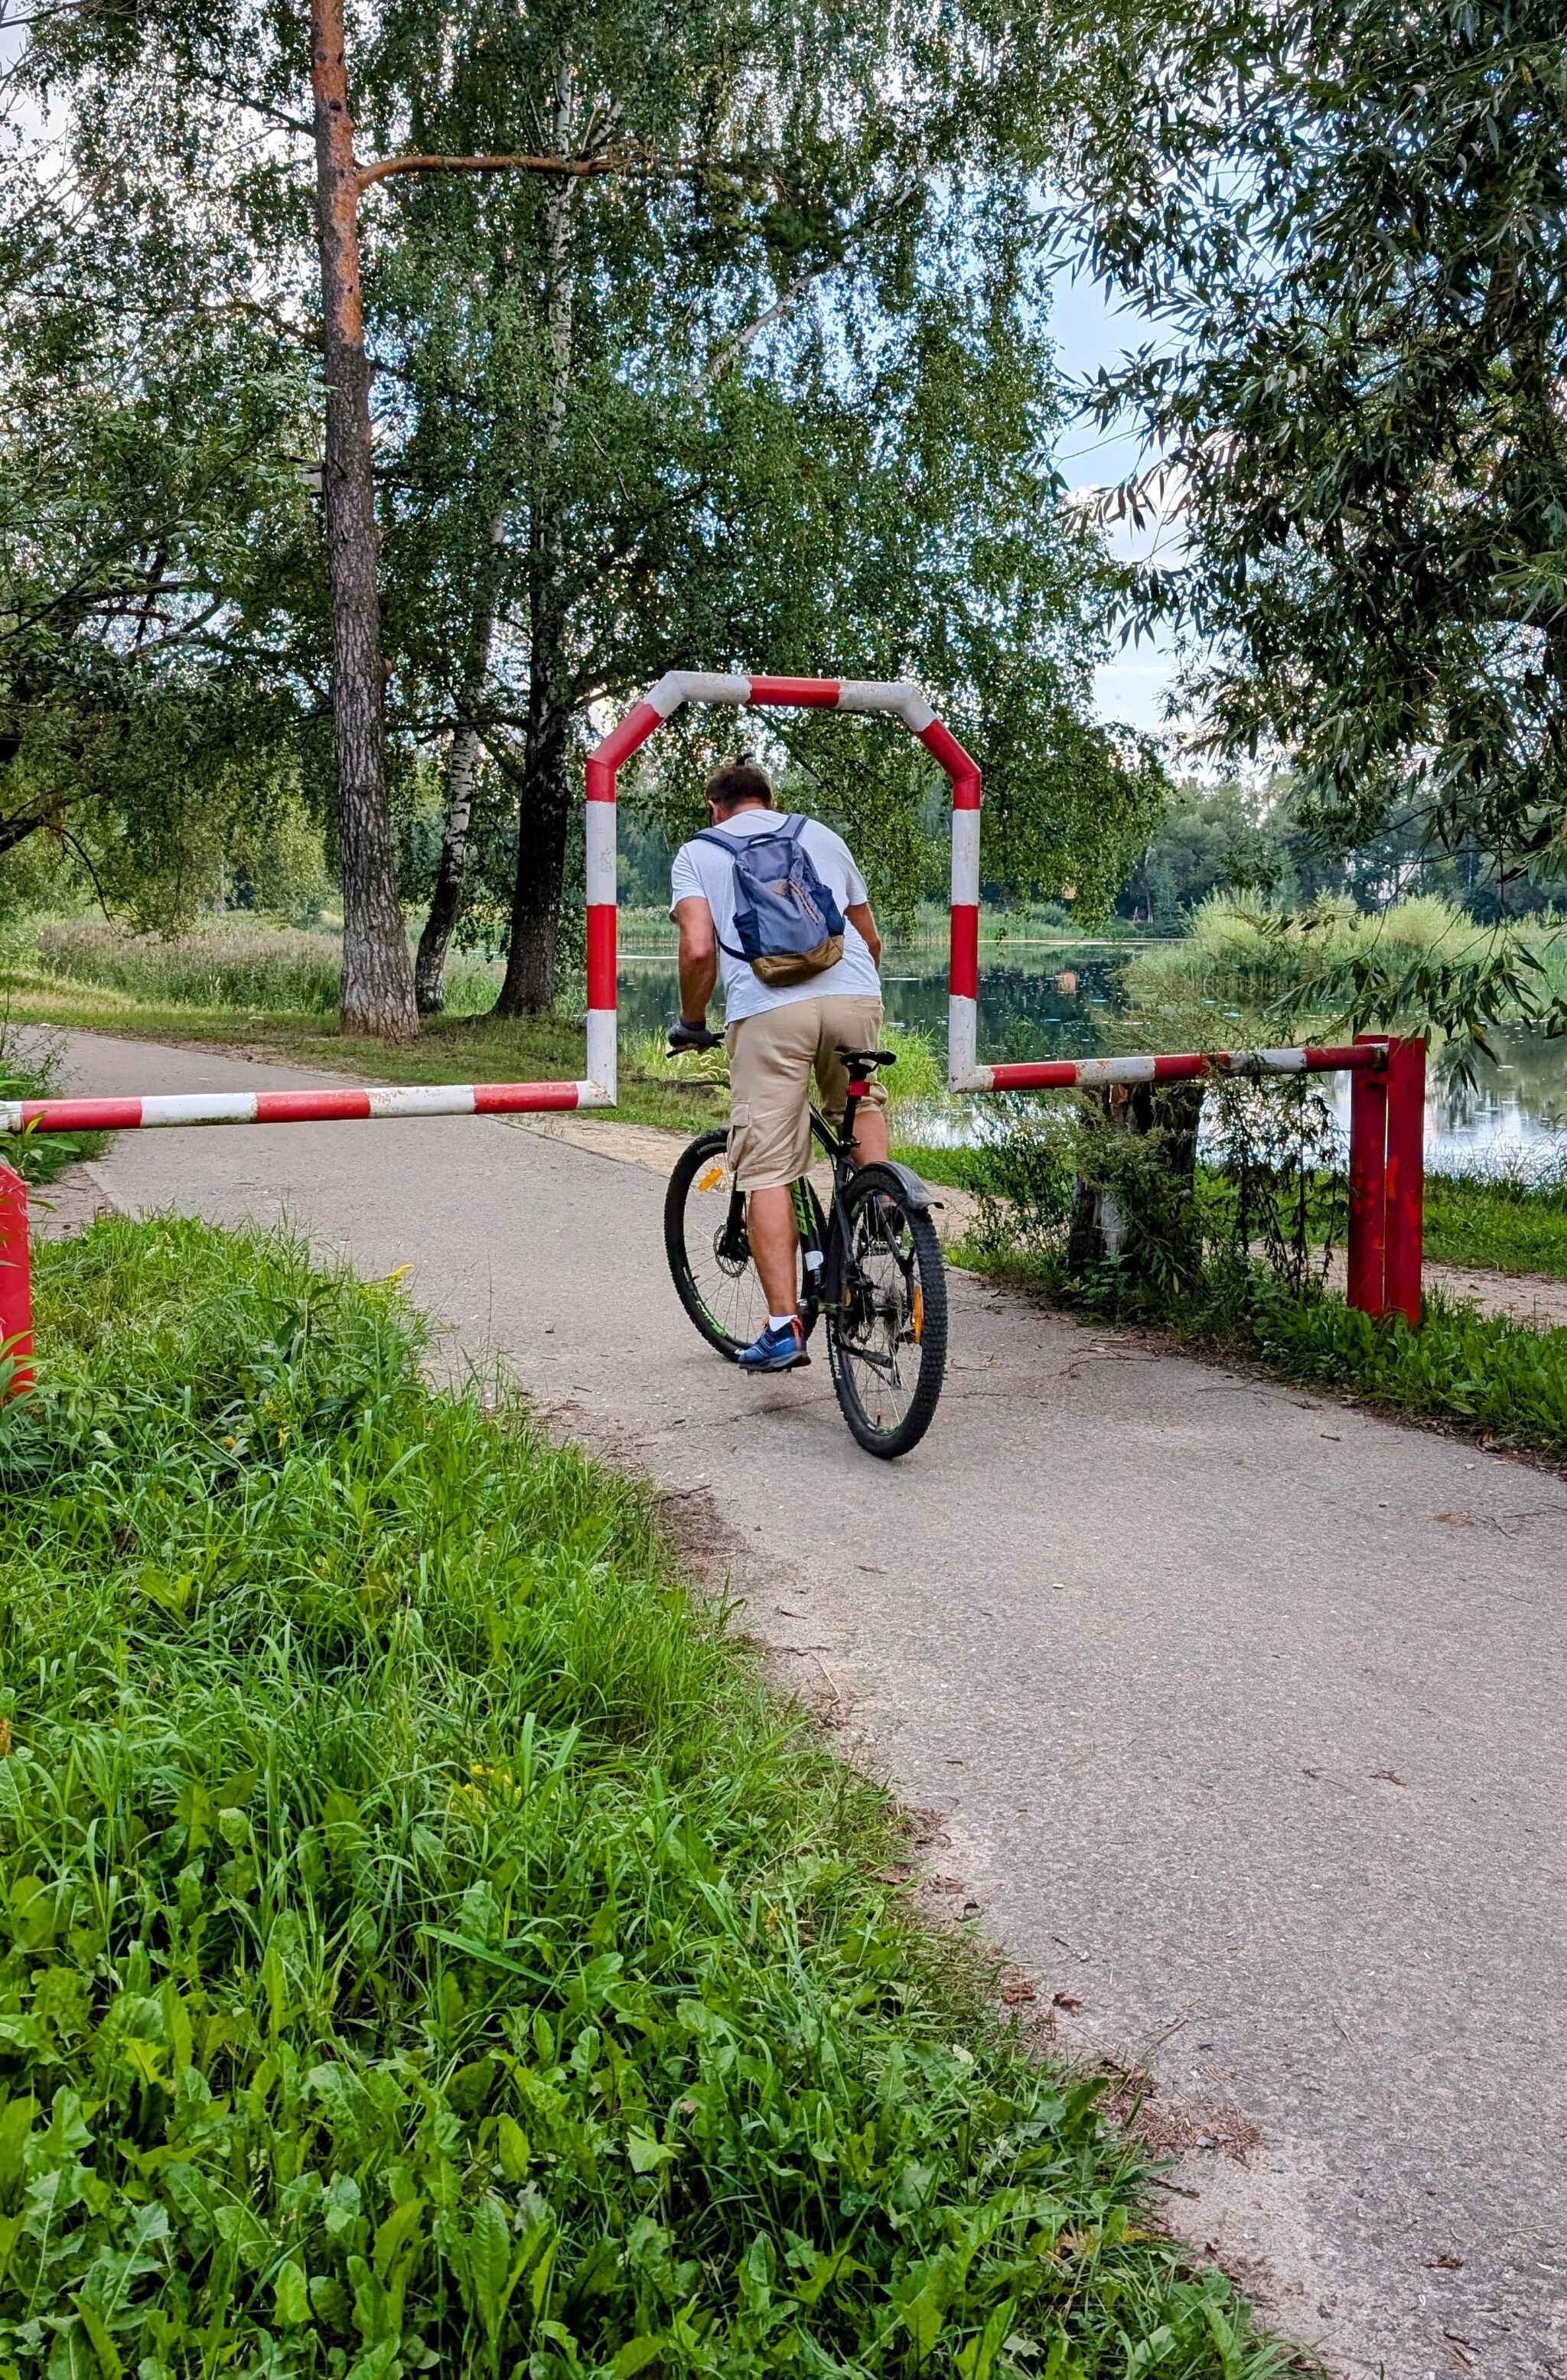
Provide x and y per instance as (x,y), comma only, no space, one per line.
(266,970)
(1228,938)
(426,1946)
(220,966)
(31,1062)
(1242,957)
(1501,1218)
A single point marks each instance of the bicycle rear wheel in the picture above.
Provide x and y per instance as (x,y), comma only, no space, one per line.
(887,1338)
(710,1254)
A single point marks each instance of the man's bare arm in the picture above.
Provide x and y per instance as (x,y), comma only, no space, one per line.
(699,957)
(859,916)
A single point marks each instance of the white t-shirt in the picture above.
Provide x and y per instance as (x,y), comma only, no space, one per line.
(701,870)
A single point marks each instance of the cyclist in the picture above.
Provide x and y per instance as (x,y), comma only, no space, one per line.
(786,1014)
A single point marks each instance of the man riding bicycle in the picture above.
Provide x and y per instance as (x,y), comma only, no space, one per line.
(781,908)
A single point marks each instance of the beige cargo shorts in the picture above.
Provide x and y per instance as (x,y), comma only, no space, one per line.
(771,1057)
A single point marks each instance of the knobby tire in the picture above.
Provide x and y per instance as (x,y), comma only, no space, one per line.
(899,1242)
(688,1245)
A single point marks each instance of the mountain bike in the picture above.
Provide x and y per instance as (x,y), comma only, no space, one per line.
(871,1271)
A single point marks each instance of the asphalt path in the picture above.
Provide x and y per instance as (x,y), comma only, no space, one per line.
(1234,1715)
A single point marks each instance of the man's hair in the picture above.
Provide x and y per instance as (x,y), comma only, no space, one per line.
(740,781)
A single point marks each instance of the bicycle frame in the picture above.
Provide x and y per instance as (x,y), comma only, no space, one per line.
(869,1267)
(836,1146)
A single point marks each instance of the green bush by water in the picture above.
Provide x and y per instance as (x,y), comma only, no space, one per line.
(426,1949)
(1232,1254)
(1243,951)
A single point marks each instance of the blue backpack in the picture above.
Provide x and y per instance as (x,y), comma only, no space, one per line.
(789,925)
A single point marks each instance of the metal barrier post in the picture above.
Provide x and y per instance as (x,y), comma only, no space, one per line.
(1403,1201)
(1366,1286)
(15,1287)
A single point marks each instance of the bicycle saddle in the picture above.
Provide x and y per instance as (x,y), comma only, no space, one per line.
(869,1057)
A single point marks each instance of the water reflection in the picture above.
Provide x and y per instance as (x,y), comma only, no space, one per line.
(1515,1114)
(1024,1012)
(1513,1117)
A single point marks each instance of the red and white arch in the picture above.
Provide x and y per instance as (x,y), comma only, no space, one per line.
(898,701)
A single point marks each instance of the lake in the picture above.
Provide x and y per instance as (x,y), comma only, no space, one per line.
(1516,1114)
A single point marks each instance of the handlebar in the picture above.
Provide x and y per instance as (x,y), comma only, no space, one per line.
(683,1038)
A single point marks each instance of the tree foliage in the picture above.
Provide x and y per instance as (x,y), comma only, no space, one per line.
(1348,221)
(771,389)
(158,578)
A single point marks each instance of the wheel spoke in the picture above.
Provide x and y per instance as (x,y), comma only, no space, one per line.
(888,1358)
(709,1252)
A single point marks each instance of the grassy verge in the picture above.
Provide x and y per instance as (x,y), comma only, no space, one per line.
(1505,1380)
(28,1067)
(1496,1222)
(449,1050)
(428,1948)
(1483,1372)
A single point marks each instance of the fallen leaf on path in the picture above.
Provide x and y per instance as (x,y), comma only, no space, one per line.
(1019,1992)
(1455,1520)
(1067,2000)
(894,1875)
(1388,1776)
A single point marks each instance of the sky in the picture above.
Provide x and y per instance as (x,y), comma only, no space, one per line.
(1089,332)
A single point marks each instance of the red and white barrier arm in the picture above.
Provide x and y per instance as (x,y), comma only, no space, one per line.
(1100,1074)
(165,1111)
(895,699)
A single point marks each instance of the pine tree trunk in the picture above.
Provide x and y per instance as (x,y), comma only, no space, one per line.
(377,995)
(462,772)
(530,982)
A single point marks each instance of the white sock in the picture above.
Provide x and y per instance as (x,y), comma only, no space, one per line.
(781,1321)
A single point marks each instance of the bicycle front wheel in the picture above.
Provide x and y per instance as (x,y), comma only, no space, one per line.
(710,1253)
(887,1335)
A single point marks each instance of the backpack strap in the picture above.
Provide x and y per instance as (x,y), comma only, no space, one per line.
(790,831)
(731,850)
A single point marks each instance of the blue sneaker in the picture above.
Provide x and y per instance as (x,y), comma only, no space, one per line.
(780,1350)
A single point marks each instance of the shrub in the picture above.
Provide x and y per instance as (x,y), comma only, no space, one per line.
(29,1066)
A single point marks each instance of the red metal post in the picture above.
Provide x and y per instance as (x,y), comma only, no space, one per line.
(16,1286)
(1403,1201)
(1365,1287)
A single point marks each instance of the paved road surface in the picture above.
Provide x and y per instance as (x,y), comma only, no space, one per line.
(1240,1712)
